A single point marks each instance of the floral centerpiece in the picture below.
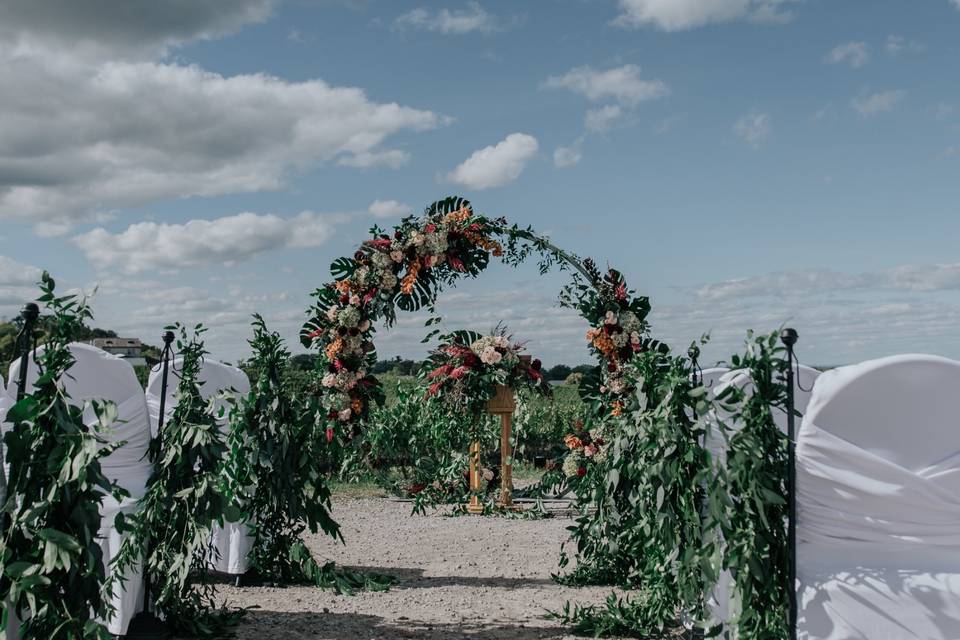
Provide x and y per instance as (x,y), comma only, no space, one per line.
(468,366)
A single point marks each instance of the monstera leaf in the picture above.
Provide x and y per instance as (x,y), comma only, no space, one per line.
(343,268)
(447,205)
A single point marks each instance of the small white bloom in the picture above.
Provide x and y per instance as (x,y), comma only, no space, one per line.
(611,318)
(329,380)
(345,414)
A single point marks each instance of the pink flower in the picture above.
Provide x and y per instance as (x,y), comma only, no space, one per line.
(345,414)
(491,356)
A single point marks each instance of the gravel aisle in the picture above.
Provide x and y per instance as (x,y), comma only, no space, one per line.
(465,577)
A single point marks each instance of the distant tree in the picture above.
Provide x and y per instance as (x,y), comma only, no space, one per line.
(303,362)
(383,366)
(559,372)
(584,368)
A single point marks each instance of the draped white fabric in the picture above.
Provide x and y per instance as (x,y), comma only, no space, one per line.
(878,478)
(232,542)
(724,603)
(98,375)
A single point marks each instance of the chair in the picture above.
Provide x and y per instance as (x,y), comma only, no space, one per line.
(878,498)
(232,542)
(98,375)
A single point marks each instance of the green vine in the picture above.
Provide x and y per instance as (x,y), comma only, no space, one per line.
(52,566)
(273,476)
(182,502)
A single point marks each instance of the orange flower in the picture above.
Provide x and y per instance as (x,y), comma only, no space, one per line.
(605,345)
(617,409)
(406,287)
(356,405)
(334,348)
(459,215)
(572,441)
(343,286)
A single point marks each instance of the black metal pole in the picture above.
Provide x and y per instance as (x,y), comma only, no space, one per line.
(789,338)
(30,313)
(146,625)
(697,378)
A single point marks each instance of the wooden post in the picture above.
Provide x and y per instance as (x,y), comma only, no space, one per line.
(475,507)
(503,404)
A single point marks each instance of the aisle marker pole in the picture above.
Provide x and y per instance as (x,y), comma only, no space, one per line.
(147,625)
(789,338)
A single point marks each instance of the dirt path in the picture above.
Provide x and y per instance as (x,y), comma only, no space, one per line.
(464,577)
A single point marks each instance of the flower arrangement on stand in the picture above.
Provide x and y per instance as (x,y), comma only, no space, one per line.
(473,374)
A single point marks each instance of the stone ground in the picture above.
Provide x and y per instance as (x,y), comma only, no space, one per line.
(482,578)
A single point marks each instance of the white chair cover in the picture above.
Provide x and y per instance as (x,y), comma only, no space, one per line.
(878,475)
(724,603)
(98,375)
(232,542)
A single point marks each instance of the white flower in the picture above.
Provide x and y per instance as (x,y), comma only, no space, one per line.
(491,356)
(355,300)
(630,322)
(635,338)
(501,341)
(332,314)
(389,281)
(364,326)
(360,275)
(381,260)
(436,242)
(620,338)
(571,465)
(348,317)
(345,414)
(618,386)
(329,380)
(396,255)
(611,318)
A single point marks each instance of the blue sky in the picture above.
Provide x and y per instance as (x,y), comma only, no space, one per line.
(744,162)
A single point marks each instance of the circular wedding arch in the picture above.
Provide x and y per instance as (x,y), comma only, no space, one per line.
(406,269)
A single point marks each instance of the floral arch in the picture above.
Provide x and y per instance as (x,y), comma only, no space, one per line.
(408,268)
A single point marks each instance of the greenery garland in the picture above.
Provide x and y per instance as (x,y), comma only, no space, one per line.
(273,479)
(754,479)
(182,502)
(51,562)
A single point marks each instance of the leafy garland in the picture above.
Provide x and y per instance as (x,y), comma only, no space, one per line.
(754,478)
(182,502)
(52,565)
(273,479)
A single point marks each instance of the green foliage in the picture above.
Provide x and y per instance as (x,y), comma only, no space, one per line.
(52,565)
(182,502)
(645,531)
(272,469)
(755,482)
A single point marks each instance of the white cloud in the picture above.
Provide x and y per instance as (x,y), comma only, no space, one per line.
(956,3)
(79,139)
(472,18)
(869,104)
(17,274)
(855,54)
(496,165)
(622,84)
(139,28)
(389,209)
(600,120)
(753,128)
(913,278)
(564,157)
(148,246)
(677,15)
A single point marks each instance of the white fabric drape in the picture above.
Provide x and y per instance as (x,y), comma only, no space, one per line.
(98,375)
(724,604)
(878,478)
(231,543)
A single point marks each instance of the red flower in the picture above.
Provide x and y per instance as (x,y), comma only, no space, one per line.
(338,365)
(536,365)
(440,371)
(329,435)
(430,228)
(612,367)
(456,263)
(620,292)
(434,388)
(582,471)
(458,373)
(369,296)
(315,334)
(534,374)
(382,243)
